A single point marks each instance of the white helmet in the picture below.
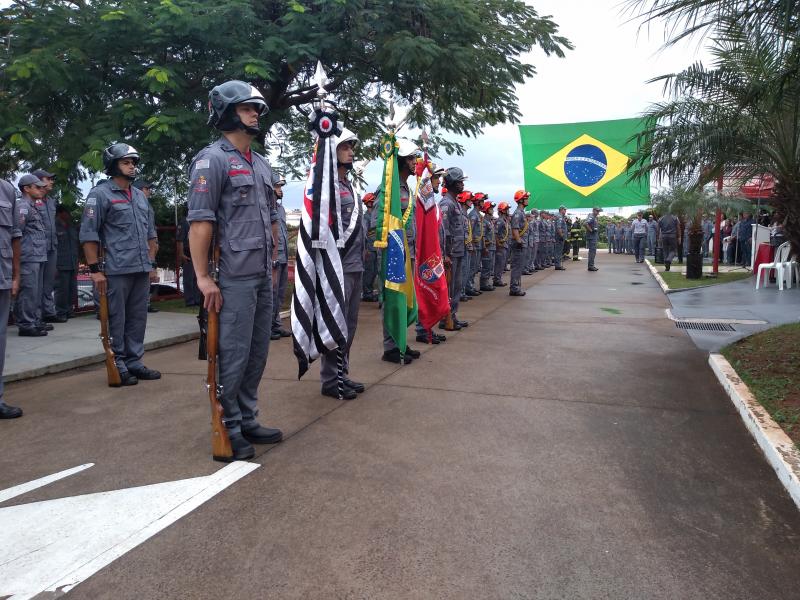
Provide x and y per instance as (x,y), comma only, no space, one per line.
(406,148)
(347,136)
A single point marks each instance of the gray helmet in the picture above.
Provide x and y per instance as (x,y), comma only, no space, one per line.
(277,179)
(452,175)
(225,96)
(29,179)
(117,152)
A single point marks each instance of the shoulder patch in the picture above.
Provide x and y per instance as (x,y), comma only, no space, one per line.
(91,201)
(201,164)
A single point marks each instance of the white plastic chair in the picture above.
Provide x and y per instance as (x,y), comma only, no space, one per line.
(780,263)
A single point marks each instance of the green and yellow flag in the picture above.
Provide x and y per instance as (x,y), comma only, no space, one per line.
(581,165)
(399,300)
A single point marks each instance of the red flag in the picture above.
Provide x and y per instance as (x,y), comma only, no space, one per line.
(433,303)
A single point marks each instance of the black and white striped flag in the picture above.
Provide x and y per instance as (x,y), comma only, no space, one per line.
(318,321)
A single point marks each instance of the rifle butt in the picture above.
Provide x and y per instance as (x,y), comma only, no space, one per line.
(220,441)
(112,372)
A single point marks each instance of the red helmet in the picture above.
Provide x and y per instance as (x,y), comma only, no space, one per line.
(487,206)
(503,206)
(369,198)
(464,196)
(480,197)
(521,195)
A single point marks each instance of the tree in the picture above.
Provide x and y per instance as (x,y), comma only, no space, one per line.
(79,74)
(740,116)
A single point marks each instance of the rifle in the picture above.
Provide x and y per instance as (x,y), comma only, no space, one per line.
(220,442)
(114,380)
(202,321)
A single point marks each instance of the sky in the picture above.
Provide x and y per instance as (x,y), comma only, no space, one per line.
(604,77)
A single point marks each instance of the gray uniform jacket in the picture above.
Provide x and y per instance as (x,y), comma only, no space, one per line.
(30,218)
(353,252)
(120,221)
(668,225)
(562,231)
(591,224)
(68,247)
(454,223)
(611,231)
(8,231)
(49,215)
(489,233)
(283,235)
(237,195)
(475,221)
(518,223)
(652,227)
(501,231)
(369,230)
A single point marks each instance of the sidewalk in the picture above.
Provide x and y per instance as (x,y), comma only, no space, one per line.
(76,343)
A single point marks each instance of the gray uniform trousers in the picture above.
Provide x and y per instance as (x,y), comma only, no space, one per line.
(651,243)
(66,291)
(592,245)
(487,268)
(558,251)
(517,256)
(639,244)
(370,272)
(352,301)
(281,275)
(499,265)
(454,289)
(127,317)
(28,307)
(469,270)
(669,244)
(527,255)
(48,284)
(5,305)
(244,330)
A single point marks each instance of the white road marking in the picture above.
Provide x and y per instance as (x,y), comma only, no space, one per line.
(54,545)
(24,488)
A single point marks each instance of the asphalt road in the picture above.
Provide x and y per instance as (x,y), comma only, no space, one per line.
(569,444)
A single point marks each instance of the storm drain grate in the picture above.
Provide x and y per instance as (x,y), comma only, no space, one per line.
(708,326)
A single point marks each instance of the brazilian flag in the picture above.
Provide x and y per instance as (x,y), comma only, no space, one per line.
(399,299)
(581,165)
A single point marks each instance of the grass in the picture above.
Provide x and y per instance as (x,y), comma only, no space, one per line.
(613,311)
(767,363)
(677,280)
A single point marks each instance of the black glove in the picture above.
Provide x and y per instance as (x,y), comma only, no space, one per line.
(517,245)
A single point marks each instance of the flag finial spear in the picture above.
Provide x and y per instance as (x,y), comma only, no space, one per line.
(321,79)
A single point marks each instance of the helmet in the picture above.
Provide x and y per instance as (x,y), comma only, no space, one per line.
(277,179)
(369,198)
(347,136)
(521,195)
(464,196)
(503,206)
(223,98)
(117,152)
(452,175)
(406,148)
(436,169)
(480,197)
(487,206)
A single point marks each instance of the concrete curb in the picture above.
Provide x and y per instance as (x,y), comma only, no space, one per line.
(85,361)
(778,449)
(658,278)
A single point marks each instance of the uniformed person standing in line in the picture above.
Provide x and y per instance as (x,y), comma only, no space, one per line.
(610,233)
(464,205)
(454,226)
(551,240)
(502,233)
(280,268)
(527,256)
(477,243)
(353,268)
(232,204)
(575,236)
(592,234)
(146,187)
(519,230)
(116,217)
(67,262)
(652,235)
(561,234)
(473,214)
(10,251)
(368,293)
(50,269)
(489,247)
(30,220)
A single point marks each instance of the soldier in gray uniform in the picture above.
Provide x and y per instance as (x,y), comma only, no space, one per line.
(280,268)
(67,262)
(611,230)
(519,230)
(473,214)
(352,267)
(50,268)
(116,218)
(529,246)
(232,204)
(489,247)
(502,235)
(30,220)
(368,293)
(10,250)
(592,234)
(652,235)
(561,235)
(453,222)
(464,205)
(669,229)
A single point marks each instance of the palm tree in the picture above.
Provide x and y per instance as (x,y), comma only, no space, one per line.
(741,115)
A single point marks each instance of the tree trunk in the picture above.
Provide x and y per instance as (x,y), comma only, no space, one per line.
(791,228)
